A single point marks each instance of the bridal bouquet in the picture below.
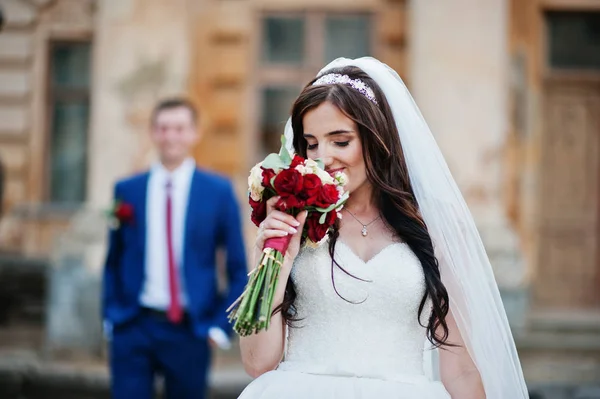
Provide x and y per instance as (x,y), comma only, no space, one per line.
(301,184)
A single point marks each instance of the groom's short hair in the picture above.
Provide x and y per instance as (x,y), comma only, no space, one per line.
(171,103)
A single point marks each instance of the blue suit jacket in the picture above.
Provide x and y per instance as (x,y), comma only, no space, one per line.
(212,221)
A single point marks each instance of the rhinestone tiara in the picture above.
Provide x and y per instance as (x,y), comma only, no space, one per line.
(356,84)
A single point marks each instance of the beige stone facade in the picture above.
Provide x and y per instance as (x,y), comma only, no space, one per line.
(551,183)
(30,27)
(477,68)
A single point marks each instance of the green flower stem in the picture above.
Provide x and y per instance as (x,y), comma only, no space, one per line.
(264,299)
(249,317)
(274,281)
(253,310)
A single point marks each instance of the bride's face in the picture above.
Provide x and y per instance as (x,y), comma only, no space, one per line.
(333,138)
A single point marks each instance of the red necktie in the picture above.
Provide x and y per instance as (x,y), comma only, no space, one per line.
(175,311)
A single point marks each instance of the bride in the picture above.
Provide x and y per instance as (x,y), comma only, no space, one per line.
(403,276)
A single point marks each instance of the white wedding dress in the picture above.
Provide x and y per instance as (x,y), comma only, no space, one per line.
(371,348)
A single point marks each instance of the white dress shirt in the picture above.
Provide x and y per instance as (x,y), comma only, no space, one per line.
(155,292)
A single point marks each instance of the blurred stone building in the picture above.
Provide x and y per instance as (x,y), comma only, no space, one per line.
(510,88)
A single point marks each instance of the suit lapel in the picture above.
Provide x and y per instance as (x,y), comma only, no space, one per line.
(141,192)
(191,209)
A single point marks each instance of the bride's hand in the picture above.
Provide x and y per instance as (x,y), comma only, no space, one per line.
(280,224)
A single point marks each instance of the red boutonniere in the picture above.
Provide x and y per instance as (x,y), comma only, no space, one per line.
(120,213)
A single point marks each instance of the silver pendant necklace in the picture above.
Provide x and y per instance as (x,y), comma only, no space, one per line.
(364,230)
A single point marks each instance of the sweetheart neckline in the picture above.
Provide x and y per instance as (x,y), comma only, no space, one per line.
(374,257)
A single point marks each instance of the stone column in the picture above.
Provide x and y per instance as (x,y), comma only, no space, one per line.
(459,77)
(141,54)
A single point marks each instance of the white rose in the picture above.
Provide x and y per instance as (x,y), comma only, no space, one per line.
(303,169)
(311,163)
(325,177)
(255,183)
(341,178)
(311,166)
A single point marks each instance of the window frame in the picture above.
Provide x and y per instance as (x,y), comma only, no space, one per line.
(273,75)
(542,54)
(548,44)
(53,95)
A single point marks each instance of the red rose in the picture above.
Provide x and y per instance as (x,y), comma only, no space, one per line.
(124,212)
(288,181)
(315,230)
(287,202)
(298,160)
(268,174)
(259,211)
(331,218)
(327,196)
(311,188)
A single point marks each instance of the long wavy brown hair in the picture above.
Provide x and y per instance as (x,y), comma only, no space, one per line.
(388,174)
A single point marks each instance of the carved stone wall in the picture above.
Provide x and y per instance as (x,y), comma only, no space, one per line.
(27,226)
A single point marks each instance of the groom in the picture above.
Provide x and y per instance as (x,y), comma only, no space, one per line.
(162,308)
